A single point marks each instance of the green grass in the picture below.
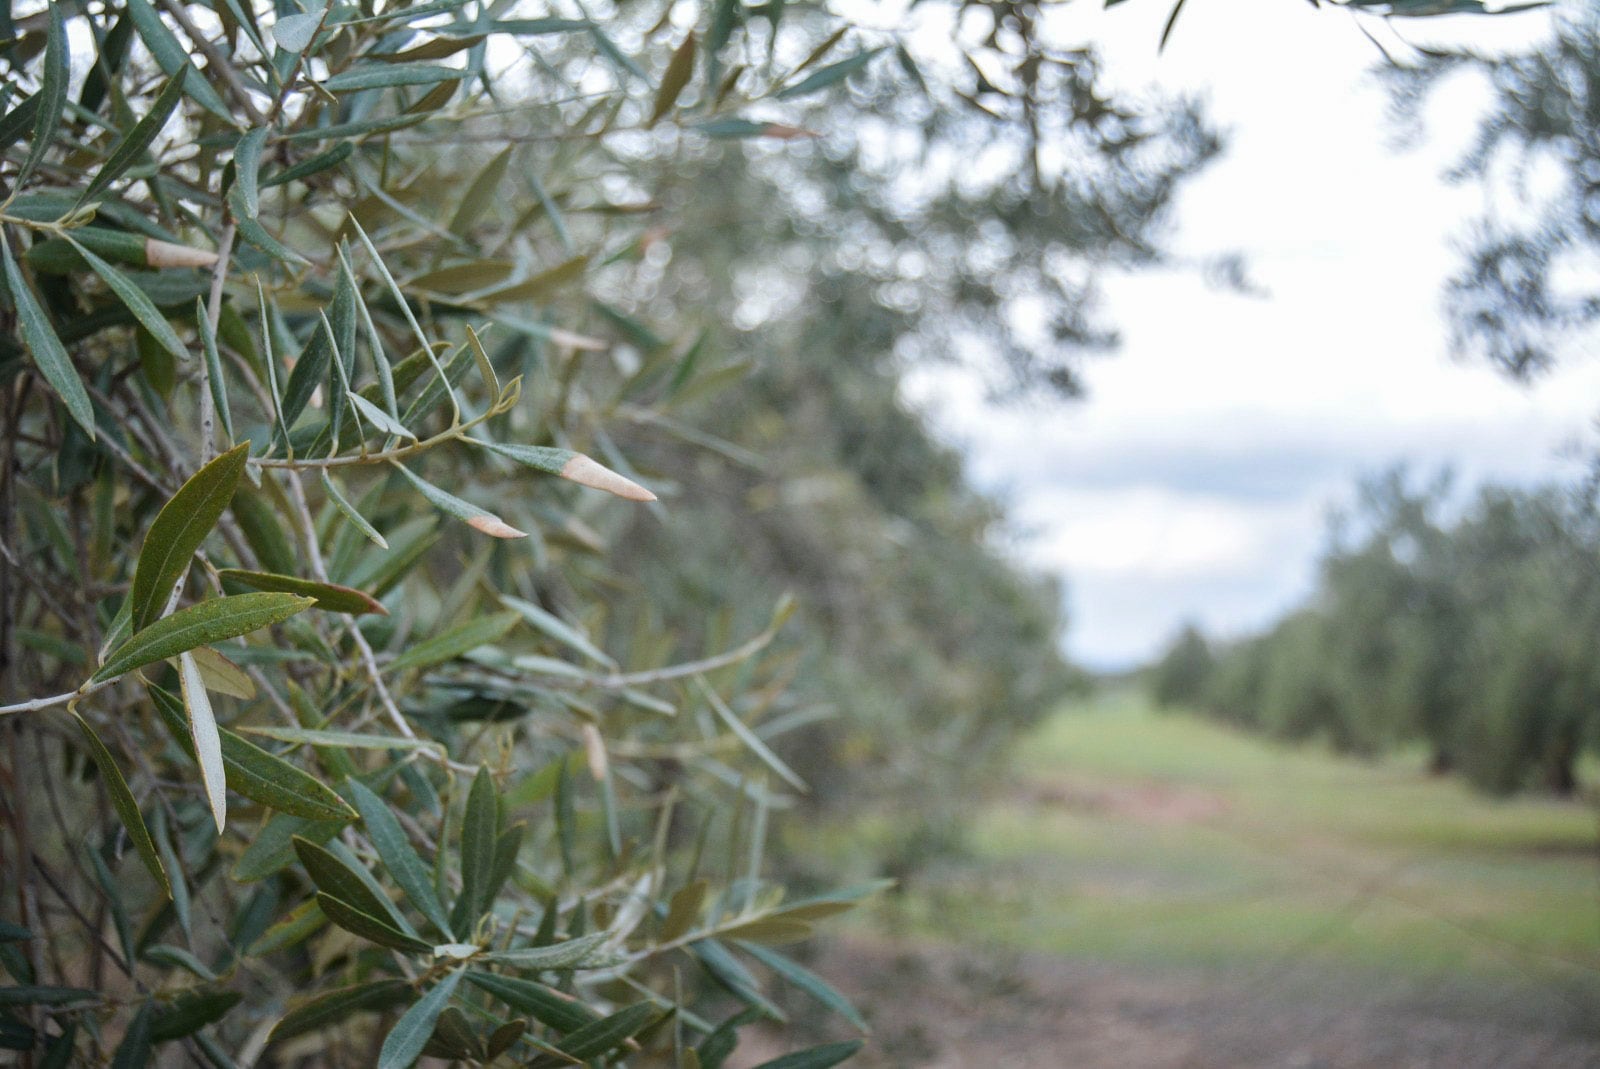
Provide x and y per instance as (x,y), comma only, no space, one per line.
(1132,836)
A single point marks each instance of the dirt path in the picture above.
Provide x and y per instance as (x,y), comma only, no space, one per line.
(944,1009)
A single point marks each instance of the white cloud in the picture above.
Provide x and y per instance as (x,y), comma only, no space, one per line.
(1194,481)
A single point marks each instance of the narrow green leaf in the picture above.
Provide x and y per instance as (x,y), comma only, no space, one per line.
(218,386)
(479,828)
(606,1035)
(751,741)
(19,120)
(822,1057)
(555,627)
(618,58)
(330,597)
(410,1033)
(334,1006)
(14,933)
(178,531)
(340,879)
(398,855)
(171,56)
(200,625)
(134,1050)
(31,995)
(253,233)
(453,643)
(343,740)
(207,741)
(247,169)
(829,75)
(349,511)
(192,1011)
(135,300)
(581,952)
(482,192)
(40,337)
(679,70)
(544,1004)
(806,981)
(333,157)
(52,97)
(122,801)
(388,75)
(359,922)
(131,147)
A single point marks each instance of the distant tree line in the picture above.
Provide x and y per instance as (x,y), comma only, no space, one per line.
(1469,634)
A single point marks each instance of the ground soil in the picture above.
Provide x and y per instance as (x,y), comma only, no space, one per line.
(945,1008)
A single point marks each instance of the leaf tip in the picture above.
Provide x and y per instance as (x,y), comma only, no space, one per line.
(587,472)
(495,527)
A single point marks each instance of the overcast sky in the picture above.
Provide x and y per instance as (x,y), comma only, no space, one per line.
(1195,481)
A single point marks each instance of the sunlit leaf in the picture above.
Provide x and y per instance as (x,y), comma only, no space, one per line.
(207,742)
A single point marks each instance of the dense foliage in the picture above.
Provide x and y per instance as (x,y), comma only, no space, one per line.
(1468,634)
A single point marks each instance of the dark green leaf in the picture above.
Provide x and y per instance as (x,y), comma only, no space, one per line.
(192,1011)
(200,625)
(48,352)
(340,880)
(315,165)
(560,1011)
(335,1006)
(134,1050)
(52,98)
(398,856)
(479,827)
(45,996)
(606,1035)
(131,147)
(329,596)
(178,531)
(171,56)
(136,301)
(369,927)
(122,801)
(829,75)
(816,1058)
(410,1034)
